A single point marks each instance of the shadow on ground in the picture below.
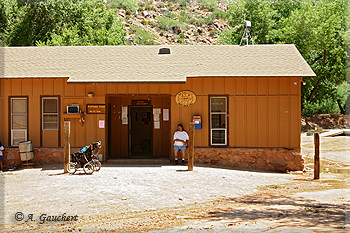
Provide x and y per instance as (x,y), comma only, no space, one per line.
(284,211)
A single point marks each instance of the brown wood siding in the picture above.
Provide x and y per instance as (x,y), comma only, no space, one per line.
(263,112)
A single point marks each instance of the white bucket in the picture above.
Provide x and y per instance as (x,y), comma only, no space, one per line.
(25,156)
(25,146)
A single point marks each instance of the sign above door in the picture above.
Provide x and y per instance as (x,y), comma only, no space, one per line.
(141,102)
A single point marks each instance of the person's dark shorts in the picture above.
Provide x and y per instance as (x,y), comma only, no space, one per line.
(179,148)
(1,158)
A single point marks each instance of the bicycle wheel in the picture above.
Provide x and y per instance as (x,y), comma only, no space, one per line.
(71,168)
(89,168)
(97,164)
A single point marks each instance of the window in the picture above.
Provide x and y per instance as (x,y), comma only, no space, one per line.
(218,121)
(50,113)
(18,120)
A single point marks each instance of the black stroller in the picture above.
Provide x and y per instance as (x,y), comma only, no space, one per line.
(85,158)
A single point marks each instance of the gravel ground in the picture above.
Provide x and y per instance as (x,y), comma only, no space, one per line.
(171,199)
(328,196)
(335,149)
(120,189)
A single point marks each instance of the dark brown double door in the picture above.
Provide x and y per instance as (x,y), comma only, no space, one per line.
(131,131)
(140,132)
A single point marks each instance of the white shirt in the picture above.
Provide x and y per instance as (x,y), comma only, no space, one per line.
(1,148)
(181,136)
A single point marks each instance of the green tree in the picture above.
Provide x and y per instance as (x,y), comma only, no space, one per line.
(3,24)
(318,32)
(96,26)
(259,12)
(52,22)
(3,18)
(264,15)
(317,28)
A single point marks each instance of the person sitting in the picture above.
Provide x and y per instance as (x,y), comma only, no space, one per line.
(1,157)
(180,142)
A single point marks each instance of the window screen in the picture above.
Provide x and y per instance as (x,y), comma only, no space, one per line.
(50,113)
(218,121)
(18,120)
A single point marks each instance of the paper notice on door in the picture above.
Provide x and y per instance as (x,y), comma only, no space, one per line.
(124,120)
(156,111)
(156,114)
(157,125)
(156,117)
(124,115)
(101,124)
(165,114)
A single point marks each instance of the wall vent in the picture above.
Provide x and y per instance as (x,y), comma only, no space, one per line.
(164,51)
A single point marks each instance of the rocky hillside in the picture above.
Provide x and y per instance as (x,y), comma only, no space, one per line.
(172,21)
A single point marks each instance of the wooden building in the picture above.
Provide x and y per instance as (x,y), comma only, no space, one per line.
(132,98)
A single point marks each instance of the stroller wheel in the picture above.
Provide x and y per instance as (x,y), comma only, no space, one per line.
(97,164)
(71,168)
(89,168)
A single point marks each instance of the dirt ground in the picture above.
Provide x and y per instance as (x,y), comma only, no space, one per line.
(325,121)
(170,199)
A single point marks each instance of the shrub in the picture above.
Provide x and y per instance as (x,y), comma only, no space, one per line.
(183,3)
(143,22)
(205,20)
(162,33)
(128,12)
(214,32)
(125,4)
(209,4)
(326,106)
(167,23)
(148,7)
(161,5)
(144,37)
(151,23)
(219,14)
(184,17)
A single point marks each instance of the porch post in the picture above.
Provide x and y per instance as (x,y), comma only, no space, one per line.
(317,156)
(66,145)
(191,147)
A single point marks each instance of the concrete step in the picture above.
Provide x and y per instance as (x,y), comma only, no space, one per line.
(139,161)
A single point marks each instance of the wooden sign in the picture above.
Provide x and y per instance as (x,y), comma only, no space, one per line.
(185,98)
(96,108)
(141,102)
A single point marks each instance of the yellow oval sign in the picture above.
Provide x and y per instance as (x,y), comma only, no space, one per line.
(185,98)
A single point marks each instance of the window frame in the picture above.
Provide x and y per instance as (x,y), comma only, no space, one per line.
(42,114)
(226,113)
(10,115)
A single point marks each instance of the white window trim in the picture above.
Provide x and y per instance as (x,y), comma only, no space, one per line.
(11,114)
(42,113)
(218,113)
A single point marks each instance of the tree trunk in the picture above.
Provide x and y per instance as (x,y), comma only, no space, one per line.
(319,80)
(313,90)
(342,110)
